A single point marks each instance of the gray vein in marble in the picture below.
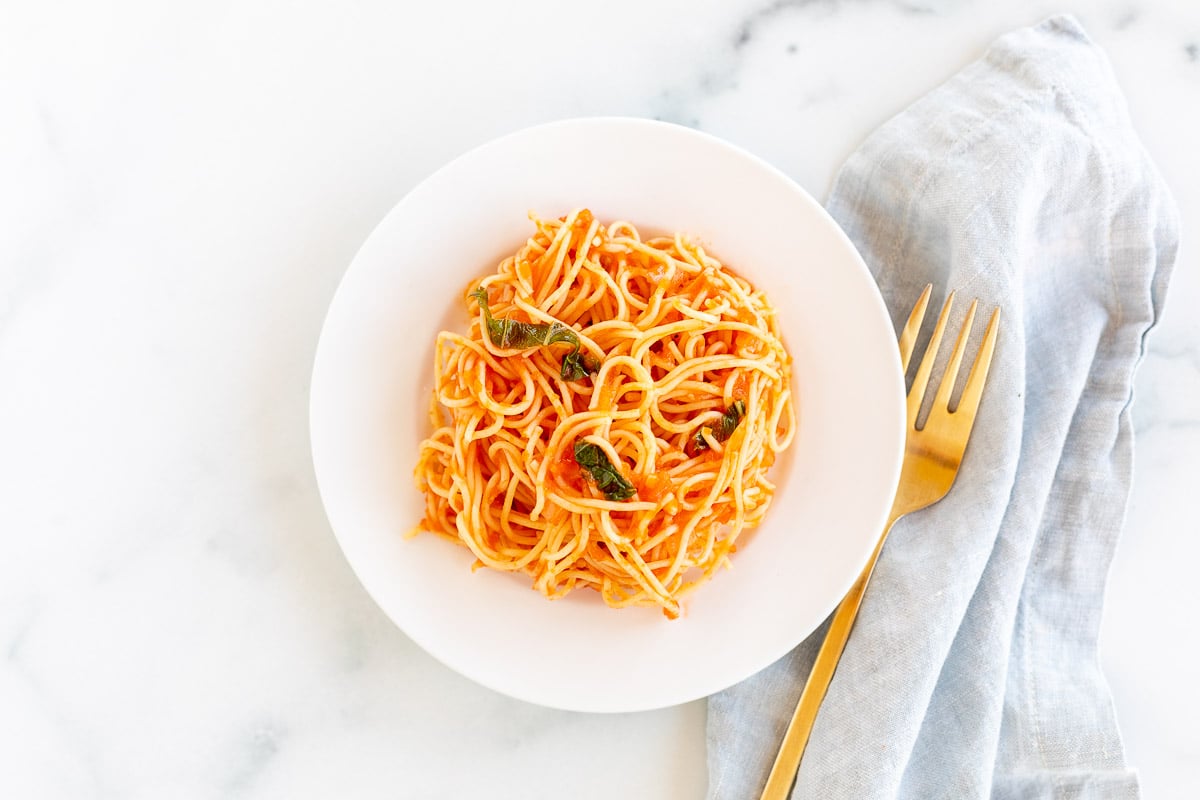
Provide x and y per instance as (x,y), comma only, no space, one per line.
(1148,423)
(1175,349)
(1127,19)
(31,252)
(253,753)
(37,692)
(678,104)
(80,748)
(826,91)
(1165,409)
(749,26)
(520,727)
(12,651)
(1193,51)
(356,647)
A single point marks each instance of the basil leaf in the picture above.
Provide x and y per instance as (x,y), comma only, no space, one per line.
(607,477)
(723,429)
(512,334)
(576,365)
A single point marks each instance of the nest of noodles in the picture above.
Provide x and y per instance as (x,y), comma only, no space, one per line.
(675,343)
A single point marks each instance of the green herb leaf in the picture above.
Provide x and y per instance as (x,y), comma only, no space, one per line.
(576,365)
(723,429)
(607,477)
(512,334)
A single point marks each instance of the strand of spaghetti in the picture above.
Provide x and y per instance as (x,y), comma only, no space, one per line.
(569,551)
(501,408)
(691,313)
(735,484)
(645,578)
(606,282)
(615,228)
(603,391)
(784,405)
(535,409)
(660,332)
(710,364)
(666,533)
(694,326)
(685,249)
(478,349)
(653,308)
(685,535)
(612,328)
(719,308)
(687,426)
(513,456)
(558,400)
(586,505)
(559,250)
(642,441)
(592,296)
(556,298)
(663,257)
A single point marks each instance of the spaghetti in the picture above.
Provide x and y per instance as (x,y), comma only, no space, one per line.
(609,418)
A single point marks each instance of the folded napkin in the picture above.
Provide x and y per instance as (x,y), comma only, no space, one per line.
(972,671)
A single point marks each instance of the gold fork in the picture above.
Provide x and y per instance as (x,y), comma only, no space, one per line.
(932,456)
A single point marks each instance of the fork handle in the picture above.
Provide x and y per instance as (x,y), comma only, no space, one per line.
(787,762)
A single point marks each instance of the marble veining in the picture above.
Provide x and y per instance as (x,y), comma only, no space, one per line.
(250,755)
(183,186)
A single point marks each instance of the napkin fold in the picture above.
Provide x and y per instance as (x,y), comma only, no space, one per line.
(972,671)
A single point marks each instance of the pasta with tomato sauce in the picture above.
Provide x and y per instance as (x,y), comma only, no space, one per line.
(609,417)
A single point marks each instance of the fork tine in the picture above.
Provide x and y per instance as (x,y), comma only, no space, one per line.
(968,405)
(908,336)
(917,393)
(942,400)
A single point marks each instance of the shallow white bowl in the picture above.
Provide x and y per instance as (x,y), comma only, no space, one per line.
(373,377)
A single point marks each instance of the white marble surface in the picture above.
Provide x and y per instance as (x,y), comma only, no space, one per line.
(181,186)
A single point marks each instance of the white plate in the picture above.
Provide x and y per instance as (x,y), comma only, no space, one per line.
(373,376)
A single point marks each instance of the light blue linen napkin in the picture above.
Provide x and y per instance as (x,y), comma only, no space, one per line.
(972,671)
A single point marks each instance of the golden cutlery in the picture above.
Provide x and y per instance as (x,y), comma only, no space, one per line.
(932,456)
